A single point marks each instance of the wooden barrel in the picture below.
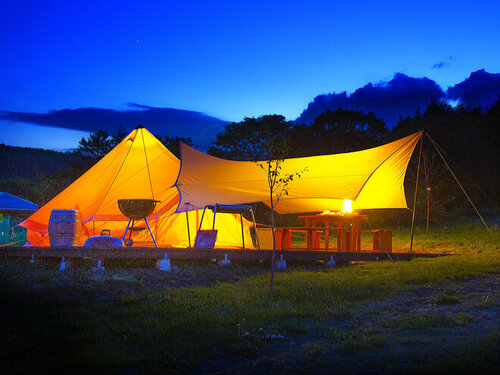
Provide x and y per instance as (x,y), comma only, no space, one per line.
(64,228)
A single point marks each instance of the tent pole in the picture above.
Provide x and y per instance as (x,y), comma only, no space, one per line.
(415,197)
(201,221)
(255,228)
(242,232)
(456,179)
(215,212)
(189,235)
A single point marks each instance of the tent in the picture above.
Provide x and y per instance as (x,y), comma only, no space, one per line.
(371,178)
(9,204)
(139,167)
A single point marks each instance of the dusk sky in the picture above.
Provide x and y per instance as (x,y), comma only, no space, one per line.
(228,60)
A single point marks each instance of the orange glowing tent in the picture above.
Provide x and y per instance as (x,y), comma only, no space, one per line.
(371,178)
(139,167)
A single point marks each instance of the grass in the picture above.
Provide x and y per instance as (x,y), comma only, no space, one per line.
(446,299)
(143,320)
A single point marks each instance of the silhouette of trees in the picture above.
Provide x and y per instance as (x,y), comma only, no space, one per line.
(172,143)
(253,139)
(338,131)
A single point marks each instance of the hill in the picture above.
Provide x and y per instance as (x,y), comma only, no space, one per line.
(32,163)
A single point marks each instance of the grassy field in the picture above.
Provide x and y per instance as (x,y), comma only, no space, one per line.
(427,315)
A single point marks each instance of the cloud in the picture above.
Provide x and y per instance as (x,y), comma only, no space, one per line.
(443,64)
(166,121)
(480,88)
(399,97)
(440,65)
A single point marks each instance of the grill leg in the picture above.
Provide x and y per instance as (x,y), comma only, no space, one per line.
(125,234)
(153,237)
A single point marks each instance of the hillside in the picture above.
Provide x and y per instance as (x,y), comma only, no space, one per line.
(33,162)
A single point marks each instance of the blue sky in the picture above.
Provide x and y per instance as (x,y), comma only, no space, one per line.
(227,59)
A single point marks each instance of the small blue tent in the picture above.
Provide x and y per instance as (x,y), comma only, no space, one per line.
(9,202)
(10,233)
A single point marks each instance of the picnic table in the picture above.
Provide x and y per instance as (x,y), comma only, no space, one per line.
(347,225)
(340,222)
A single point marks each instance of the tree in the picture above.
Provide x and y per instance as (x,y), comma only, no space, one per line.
(468,139)
(338,131)
(277,182)
(97,145)
(118,137)
(249,139)
(172,143)
(264,140)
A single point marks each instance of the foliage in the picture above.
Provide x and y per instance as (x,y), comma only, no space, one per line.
(338,131)
(468,138)
(262,138)
(172,143)
(97,145)
(32,163)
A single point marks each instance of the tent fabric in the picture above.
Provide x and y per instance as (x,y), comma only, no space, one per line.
(139,167)
(371,178)
(9,202)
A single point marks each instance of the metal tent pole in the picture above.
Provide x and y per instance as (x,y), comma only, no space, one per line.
(415,197)
(189,235)
(242,232)
(255,228)
(458,182)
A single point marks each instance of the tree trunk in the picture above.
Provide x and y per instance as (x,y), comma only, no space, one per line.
(271,186)
(428,208)
(274,243)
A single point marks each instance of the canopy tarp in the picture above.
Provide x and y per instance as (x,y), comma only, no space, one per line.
(9,202)
(371,178)
(139,167)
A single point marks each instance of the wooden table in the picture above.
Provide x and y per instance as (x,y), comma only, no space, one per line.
(354,219)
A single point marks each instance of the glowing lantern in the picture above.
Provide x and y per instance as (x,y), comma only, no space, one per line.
(346,206)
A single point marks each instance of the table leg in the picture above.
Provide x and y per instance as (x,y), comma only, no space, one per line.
(327,235)
(359,235)
(339,237)
(287,239)
(354,230)
(309,238)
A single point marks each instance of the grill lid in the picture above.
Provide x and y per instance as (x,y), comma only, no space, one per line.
(137,208)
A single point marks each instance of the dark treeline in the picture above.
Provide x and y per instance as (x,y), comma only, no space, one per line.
(467,136)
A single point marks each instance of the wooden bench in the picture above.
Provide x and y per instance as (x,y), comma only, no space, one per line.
(382,239)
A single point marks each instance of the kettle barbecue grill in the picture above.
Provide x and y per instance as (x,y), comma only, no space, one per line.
(136,209)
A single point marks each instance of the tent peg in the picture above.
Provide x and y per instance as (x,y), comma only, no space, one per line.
(225,261)
(99,267)
(281,263)
(164,264)
(64,265)
(331,262)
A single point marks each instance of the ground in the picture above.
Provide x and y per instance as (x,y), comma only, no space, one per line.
(426,315)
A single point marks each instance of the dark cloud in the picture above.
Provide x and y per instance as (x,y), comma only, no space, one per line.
(443,64)
(481,88)
(167,121)
(440,65)
(400,97)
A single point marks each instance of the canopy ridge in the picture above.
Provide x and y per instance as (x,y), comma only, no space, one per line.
(147,166)
(114,178)
(150,182)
